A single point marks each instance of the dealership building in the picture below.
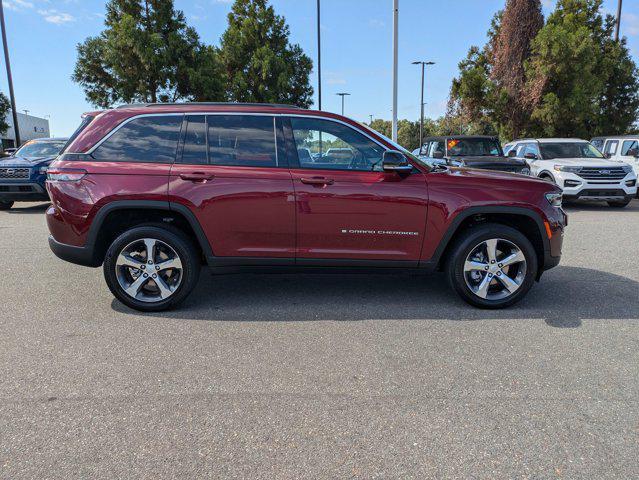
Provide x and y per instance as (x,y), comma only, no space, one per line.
(30,127)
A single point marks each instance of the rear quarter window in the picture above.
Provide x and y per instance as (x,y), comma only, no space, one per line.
(152,139)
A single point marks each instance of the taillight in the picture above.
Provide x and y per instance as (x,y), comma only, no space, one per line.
(65,174)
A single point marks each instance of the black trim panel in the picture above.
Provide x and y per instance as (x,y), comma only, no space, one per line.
(79,255)
(433,262)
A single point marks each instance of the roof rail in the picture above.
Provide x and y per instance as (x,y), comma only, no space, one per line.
(236,104)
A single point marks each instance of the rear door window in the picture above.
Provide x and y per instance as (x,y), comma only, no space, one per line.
(242,140)
(195,151)
(151,139)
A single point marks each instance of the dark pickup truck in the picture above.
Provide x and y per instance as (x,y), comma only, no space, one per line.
(475,151)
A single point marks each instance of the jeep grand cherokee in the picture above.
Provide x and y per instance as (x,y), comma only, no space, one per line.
(153,192)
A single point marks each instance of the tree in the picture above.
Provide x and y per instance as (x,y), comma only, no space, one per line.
(510,49)
(407,131)
(259,62)
(146,53)
(585,83)
(5,108)
(487,97)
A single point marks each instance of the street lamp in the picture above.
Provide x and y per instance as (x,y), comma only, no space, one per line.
(12,97)
(618,22)
(319,59)
(342,94)
(421,104)
(395,63)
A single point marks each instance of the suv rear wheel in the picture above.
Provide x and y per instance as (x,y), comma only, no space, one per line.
(492,266)
(151,268)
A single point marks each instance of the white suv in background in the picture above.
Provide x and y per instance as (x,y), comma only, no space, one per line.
(579,168)
(624,148)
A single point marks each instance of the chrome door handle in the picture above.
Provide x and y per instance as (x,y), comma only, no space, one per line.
(200,177)
(317,181)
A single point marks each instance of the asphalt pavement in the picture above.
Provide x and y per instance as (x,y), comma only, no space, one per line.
(322,376)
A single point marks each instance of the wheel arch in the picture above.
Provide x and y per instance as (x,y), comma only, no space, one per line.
(116,217)
(527,221)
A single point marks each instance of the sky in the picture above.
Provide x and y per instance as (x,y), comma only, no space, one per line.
(356,49)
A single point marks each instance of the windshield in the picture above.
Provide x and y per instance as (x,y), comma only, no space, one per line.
(40,149)
(474,147)
(569,150)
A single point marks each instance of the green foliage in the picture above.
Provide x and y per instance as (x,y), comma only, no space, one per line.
(146,53)
(567,78)
(586,83)
(259,62)
(408,131)
(5,108)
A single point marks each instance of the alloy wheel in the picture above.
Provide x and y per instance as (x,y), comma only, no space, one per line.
(149,270)
(495,269)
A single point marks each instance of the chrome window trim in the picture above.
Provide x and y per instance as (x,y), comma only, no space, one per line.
(253,114)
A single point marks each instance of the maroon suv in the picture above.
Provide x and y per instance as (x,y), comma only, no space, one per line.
(153,192)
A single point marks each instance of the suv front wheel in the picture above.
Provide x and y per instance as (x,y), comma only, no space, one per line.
(151,268)
(492,266)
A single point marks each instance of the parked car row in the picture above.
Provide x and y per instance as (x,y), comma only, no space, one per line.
(580,169)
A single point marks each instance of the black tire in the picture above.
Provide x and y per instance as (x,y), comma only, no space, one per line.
(619,203)
(549,178)
(467,242)
(176,240)
(6,205)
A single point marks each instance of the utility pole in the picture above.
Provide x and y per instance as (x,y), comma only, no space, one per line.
(618,23)
(421,104)
(12,97)
(342,94)
(395,31)
(371,117)
(319,59)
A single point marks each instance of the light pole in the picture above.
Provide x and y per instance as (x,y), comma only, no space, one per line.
(421,104)
(371,117)
(319,59)
(395,31)
(342,94)
(48,117)
(618,22)
(9,78)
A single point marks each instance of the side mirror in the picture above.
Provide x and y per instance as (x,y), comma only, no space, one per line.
(607,155)
(512,153)
(438,154)
(633,152)
(395,161)
(530,156)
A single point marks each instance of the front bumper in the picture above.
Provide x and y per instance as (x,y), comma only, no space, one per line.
(600,190)
(26,191)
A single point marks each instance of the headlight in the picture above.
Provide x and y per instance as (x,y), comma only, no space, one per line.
(525,171)
(566,168)
(554,199)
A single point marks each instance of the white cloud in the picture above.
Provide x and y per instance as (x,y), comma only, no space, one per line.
(17,4)
(55,17)
(375,23)
(333,78)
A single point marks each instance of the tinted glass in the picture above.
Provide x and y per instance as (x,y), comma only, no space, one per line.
(482,147)
(194,151)
(569,150)
(598,143)
(242,140)
(40,149)
(436,146)
(323,144)
(145,139)
(629,145)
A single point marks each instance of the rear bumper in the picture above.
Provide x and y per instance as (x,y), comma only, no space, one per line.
(22,191)
(79,255)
